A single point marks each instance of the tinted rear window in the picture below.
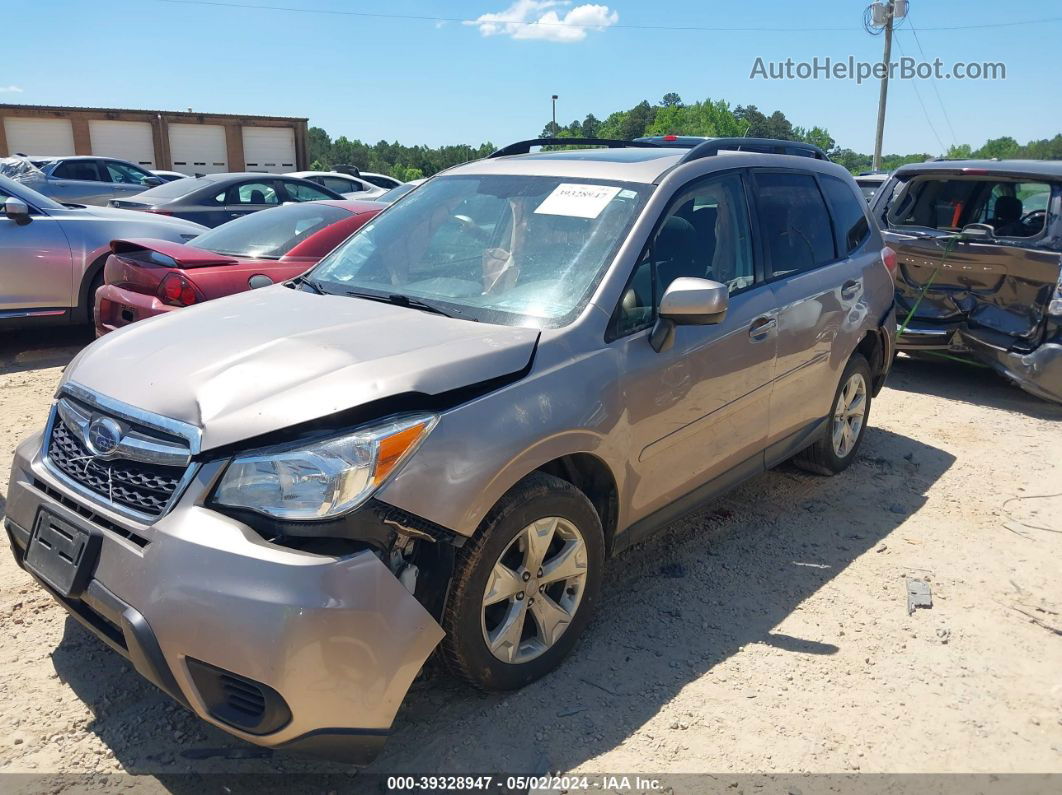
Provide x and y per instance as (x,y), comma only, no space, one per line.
(794,222)
(270,233)
(849,213)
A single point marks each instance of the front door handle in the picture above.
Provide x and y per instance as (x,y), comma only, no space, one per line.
(761,328)
(849,288)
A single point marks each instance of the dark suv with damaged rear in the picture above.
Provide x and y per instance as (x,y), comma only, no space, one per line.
(278,503)
(979,245)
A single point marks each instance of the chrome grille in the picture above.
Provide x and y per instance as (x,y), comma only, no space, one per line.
(140,474)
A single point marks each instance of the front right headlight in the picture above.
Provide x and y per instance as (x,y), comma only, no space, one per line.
(323,479)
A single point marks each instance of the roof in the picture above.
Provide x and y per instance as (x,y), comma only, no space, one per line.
(185,113)
(1047,169)
(644,164)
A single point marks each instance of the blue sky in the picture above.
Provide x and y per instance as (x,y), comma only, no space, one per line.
(435,83)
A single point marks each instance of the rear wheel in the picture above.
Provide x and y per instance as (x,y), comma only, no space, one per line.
(849,414)
(524,588)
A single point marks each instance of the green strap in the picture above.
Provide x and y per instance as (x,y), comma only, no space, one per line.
(929,282)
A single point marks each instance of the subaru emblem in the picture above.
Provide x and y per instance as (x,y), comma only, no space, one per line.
(103,436)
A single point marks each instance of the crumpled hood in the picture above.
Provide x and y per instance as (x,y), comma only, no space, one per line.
(271,358)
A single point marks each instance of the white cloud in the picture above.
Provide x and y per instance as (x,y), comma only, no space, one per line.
(10,89)
(538,19)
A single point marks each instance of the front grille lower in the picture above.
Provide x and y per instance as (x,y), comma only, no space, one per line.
(145,488)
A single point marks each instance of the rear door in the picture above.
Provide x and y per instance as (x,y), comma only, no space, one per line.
(78,182)
(817,279)
(992,291)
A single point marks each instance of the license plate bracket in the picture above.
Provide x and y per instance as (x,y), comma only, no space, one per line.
(62,554)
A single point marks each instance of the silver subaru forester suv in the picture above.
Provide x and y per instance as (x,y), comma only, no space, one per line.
(277,505)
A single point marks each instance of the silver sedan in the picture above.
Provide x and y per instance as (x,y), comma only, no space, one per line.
(51,256)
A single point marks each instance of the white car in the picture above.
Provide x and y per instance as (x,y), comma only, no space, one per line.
(350,186)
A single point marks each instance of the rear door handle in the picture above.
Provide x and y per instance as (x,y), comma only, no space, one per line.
(761,327)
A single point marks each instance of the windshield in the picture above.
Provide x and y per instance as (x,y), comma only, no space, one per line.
(396,192)
(514,250)
(270,234)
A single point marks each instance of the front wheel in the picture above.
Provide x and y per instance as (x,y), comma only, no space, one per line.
(525,586)
(847,422)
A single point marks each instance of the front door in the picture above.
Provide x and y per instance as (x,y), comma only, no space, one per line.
(36,271)
(700,407)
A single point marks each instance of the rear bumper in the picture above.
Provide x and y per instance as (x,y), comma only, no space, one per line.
(116,307)
(1038,372)
(322,648)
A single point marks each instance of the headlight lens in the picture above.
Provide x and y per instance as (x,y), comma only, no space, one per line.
(325,478)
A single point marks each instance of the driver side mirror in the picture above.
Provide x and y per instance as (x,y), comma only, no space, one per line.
(152,182)
(977,232)
(688,301)
(17,210)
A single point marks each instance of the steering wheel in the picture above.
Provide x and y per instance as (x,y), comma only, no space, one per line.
(471,227)
(1029,216)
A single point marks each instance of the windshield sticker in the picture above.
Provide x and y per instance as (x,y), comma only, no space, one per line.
(577,201)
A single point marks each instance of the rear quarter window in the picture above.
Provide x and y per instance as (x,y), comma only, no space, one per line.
(851,227)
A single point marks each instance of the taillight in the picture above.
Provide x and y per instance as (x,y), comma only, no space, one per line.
(888,259)
(1054,307)
(670,137)
(176,290)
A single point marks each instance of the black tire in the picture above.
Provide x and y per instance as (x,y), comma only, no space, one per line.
(90,298)
(464,650)
(821,457)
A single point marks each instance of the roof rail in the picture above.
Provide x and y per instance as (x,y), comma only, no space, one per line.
(523,147)
(770,145)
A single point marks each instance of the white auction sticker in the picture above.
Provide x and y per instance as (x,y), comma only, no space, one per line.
(578,201)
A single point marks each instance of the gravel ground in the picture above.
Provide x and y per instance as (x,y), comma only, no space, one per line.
(767,633)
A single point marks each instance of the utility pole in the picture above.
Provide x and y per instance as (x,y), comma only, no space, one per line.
(554,115)
(886,58)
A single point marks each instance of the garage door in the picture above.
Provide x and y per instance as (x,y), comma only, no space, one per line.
(269,149)
(198,149)
(39,136)
(128,140)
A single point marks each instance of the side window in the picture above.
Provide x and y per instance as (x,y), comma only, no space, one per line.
(84,170)
(705,234)
(849,214)
(253,193)
(123,174)
(339,185)
(794,222)
(301,192)
(1017,209)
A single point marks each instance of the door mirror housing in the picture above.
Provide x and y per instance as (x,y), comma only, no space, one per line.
(978,232)
(688,301)
(152,182)
(17,210)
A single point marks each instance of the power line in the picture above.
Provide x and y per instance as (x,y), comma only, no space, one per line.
(933,79)
(914,85)
(463,20)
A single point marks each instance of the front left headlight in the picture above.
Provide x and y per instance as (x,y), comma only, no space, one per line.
(326,478)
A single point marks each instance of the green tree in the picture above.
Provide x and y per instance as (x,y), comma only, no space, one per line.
(670,99)
(999,147)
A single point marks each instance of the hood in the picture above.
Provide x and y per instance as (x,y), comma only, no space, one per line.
(134,216)
(272,358)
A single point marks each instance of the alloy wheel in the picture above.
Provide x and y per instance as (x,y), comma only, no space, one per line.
(849,415)
(534,590)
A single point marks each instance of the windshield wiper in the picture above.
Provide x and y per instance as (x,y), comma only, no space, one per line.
(397,299)
(309,283)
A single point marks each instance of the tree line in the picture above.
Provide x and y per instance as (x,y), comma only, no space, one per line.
(669,115)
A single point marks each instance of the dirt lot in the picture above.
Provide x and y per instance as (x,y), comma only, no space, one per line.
(767,633)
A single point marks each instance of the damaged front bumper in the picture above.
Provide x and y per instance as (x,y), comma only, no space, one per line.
(277,646)
(1038,372)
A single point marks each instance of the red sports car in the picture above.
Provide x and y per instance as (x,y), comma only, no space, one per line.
(146,277)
